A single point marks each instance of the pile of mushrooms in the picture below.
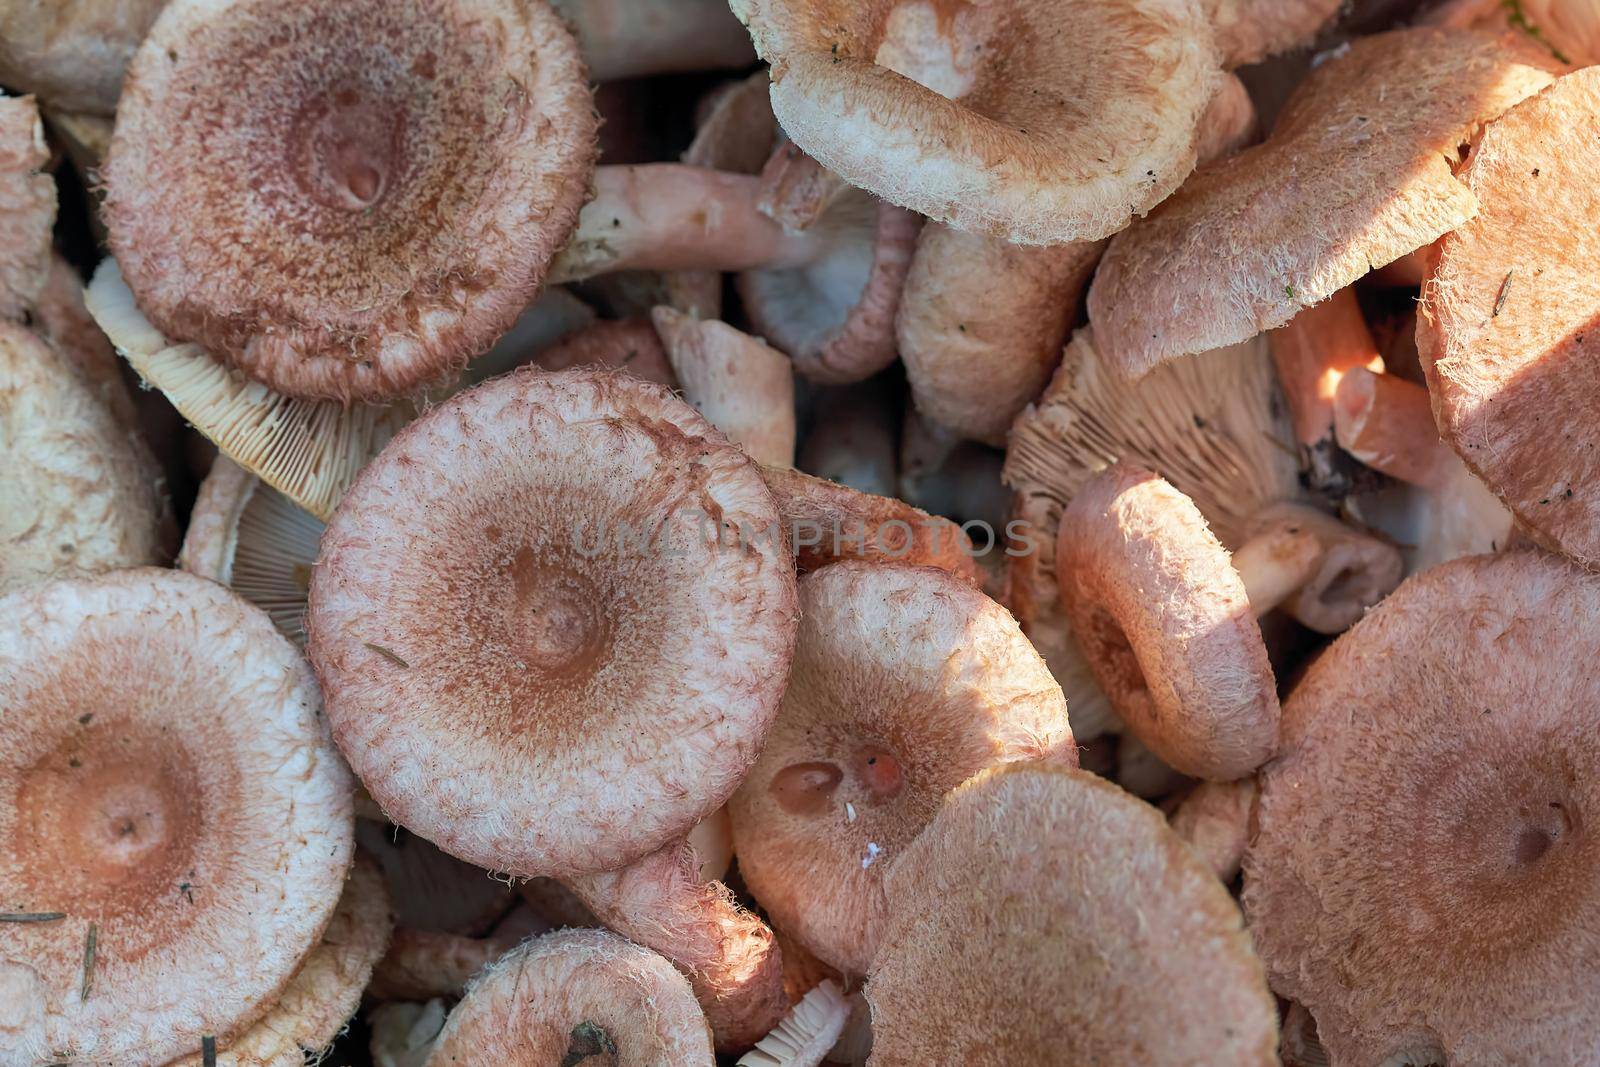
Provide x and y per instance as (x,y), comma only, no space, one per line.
(788,533)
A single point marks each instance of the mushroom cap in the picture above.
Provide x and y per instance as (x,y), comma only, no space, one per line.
(1105,940)
(1459,719)
(741,384)
(72,53)
(1248,31)
(169,785)
(906,682)
(27,205)
(1370,138)
(806,1035)
(77,496)
(534,650)
(574,994)
(401,170)
(1037,122)
(835,316)
(630,344)
(254,540)
(1570,29)
(327,989)
(1513,305)
(1164,621)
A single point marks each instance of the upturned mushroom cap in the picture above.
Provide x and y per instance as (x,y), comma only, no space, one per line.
(72,53)
(78,496)
(1370,137)
(553,621)
(1459,720)
(572,995)
(906,682)
(1105,940)
(327,989)
(374,195)
(168,786)
(1165,622)
(807,1034)
(27,206)
(1512,313)
(1038,122)
(1250,30)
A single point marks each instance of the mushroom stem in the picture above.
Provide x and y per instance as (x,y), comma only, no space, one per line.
(1386,422)
(636,38)
(745,387)
(1276,562)
(796,190)
(667,216)
(1313,352)
(729,955)
(1321,571)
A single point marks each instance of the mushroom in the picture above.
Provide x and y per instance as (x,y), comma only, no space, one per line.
(807,1034)
(79,495)
(1370,138)
(433,891)
(827,522)
(853,439)
(405,171)
(1570,29)
(547,324)
(403,1034)
(72,53)
(637,38)
(1214,819)
(743,387)
(254,540)
(552,621)
(327,989)
(1452,730)
(572,995)
(27,206)
(631,344)
(1509,311)
(423,964)
(1248,31)
(906,681)
(1104,939)
(61,316)
(168,790)
(1041,123)
(1143,773)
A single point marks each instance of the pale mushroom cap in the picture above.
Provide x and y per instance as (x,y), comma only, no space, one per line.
(1448,918)
(1039,122)
(1166,625)
(1370,137)
(1105,940)
(574,994)
(27,205)
(327,989)
(534,651)
(1250,30)
(77,496)
(743,386)
(72,53)
(1512,304)
(431,155)
(169,785)
(906,682)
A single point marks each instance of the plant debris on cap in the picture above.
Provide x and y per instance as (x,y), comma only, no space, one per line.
(1040,122)
(1512,304)
(1166,624)
(327,989)
(1421,875)
(78,495)
(1045,916)
(553,621)
(167,782)
(573,997)
(72,53)
(27,206)
(906,682)
(347,201)
(1356,174)
(1250,30)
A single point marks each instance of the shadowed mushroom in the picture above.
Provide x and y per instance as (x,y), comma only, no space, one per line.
(27,206)
(434,891)
(1214,819)
(79,495)
(743,387)
(167,788)
(61,316)
(1511,311)
(632,345)
(1106,940)
(807,1034)
(1145,774)
(637,38)
(424,964)
(1250,30)
(404,169)
(326,991)
(72,53)
(552,622)
(1371,137)
(1453,729)
(403,1034)
(905,683)
(1041,123)
(546,324)
(853,439)
(573,995)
